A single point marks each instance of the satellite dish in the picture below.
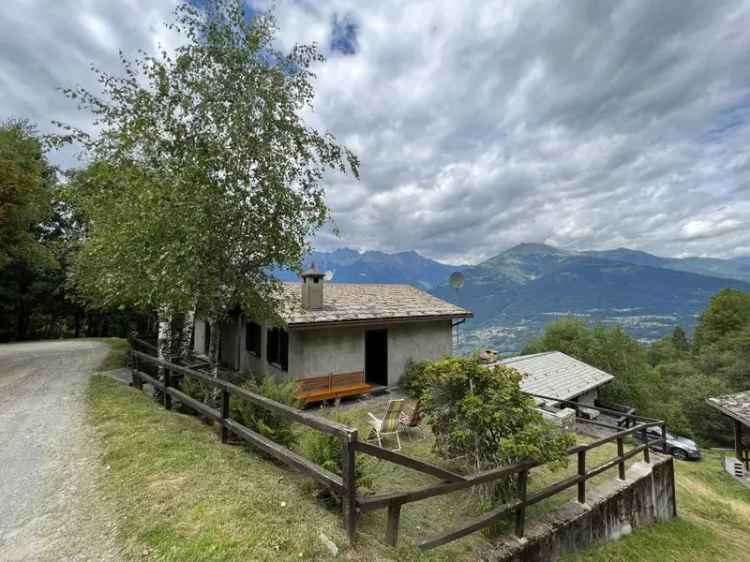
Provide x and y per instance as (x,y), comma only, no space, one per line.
(328,275)
(456,280)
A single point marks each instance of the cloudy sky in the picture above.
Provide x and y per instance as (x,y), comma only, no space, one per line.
(582,124)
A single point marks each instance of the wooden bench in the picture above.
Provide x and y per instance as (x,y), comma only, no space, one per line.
(330,387)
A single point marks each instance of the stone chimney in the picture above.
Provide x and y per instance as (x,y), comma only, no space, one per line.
(312,289)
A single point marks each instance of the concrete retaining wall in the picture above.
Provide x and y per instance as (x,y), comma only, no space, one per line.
(613,510)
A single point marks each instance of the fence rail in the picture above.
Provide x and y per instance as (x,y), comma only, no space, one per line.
(163,376)
(343,485)
(519,471)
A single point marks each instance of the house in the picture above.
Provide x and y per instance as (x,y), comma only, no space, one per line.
(737,408)
(331,328)
(555,375)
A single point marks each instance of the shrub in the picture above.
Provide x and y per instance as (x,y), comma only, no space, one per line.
(198,389)
(414,382)
(326,450)
(480,414)
(277,427)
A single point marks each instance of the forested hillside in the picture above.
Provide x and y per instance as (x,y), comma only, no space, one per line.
(39,233)
(672,377)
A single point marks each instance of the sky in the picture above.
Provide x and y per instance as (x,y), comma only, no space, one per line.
(479,125)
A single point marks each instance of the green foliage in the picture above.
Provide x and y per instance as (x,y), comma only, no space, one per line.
(727,313)
(680,340)
(205,175)
(198,389)
(326,450)
(606,347)
(670,379)
(25,203)
(480,414)
(276,427)
(413,382)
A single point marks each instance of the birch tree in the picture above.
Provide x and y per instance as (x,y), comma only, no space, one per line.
(203,174)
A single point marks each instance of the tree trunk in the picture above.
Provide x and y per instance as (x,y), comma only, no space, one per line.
(188,324)
(213,347)
(164,341)
(213,358)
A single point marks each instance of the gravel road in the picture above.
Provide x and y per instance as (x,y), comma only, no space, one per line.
(49,509)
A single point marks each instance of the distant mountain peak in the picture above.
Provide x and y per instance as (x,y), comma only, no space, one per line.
(534,248)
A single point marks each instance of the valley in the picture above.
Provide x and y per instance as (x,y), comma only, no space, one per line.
(516,293)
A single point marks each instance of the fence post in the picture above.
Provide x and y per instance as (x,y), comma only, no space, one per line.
(620,453)
(224,414)
(664,447)
(646,451)
(521,495)
(137,382)
(582,474)
(349,478)
(394,514)
(167,384)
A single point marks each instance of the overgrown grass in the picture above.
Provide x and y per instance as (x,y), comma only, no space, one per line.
(117,357)
(713,522)
(181,495)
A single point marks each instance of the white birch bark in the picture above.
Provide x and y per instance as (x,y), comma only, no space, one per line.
(213,347)
(164,341)
(188,325)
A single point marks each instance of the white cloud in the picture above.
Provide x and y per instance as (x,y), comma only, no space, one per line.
(481,125)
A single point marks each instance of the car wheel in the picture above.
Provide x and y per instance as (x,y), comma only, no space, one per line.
(679,454)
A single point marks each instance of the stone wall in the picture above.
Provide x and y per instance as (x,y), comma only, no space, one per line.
(612,511)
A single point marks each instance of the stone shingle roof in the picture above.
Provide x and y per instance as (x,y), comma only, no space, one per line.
(735,406)
(556,375)
(367,302)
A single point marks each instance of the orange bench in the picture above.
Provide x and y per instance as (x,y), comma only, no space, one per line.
(330,387)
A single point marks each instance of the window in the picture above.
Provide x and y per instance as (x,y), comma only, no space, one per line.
(252,338)
(207,337)
(277,348)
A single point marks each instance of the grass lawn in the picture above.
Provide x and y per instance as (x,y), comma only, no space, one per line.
(713,522)
(181,495)
(117,357)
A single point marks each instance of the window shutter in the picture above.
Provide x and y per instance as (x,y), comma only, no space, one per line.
(269,345)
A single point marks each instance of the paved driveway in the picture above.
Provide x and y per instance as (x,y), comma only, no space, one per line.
(48,506)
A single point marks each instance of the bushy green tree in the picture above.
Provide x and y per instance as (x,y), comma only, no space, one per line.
(34,242)
(205,174)
(607,347)
(728,312)
(480,414)
(680,340)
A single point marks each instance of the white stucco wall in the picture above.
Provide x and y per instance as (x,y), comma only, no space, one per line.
(317,352)
(418,341)
(588,398)
(342,349)
(329,350)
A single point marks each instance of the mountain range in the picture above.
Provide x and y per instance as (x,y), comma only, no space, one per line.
(517,292)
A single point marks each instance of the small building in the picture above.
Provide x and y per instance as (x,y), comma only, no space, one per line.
(331,328)
(737,408)
(558,376)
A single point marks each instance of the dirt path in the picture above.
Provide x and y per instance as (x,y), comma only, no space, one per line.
(48,464)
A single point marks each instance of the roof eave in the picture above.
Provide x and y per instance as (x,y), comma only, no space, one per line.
(729,413)
(372,321)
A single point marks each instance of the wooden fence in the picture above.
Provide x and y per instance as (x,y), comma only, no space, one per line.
(144,368)
(344,486)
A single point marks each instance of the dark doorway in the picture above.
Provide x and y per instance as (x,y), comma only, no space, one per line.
(376,357)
